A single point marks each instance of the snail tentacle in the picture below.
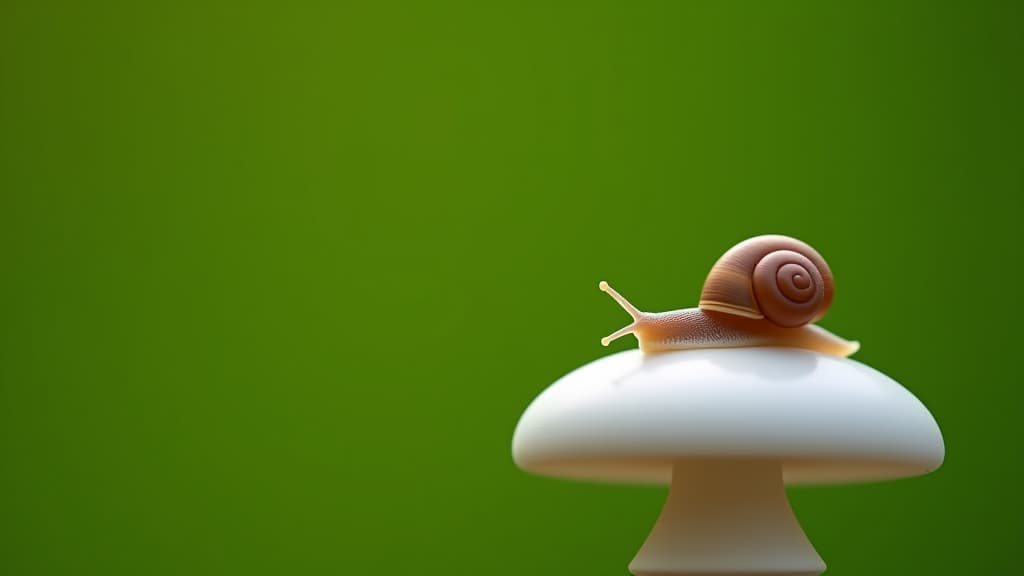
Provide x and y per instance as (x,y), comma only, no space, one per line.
(636,314)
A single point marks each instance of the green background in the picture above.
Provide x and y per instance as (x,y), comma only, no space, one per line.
(279,279)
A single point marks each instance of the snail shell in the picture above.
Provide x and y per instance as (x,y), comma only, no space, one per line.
(775,277)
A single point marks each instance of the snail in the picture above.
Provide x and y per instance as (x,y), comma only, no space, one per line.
(765,291)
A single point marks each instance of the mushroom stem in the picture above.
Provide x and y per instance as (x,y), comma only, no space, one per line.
(727,518)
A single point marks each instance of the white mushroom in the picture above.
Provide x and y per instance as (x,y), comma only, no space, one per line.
(726,428)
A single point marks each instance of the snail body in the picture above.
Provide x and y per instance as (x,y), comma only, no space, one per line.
(765,291)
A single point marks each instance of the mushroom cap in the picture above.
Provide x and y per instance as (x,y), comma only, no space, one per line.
(628,416)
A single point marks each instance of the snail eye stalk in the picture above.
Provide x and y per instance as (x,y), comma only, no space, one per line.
(632,310)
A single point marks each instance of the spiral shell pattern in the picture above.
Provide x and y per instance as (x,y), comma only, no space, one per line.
(775,277)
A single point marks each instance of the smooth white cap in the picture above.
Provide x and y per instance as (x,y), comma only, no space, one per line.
(629,416)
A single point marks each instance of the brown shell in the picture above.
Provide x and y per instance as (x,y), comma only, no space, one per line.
(774,277)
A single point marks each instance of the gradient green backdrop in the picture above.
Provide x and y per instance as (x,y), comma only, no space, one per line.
(279,278)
